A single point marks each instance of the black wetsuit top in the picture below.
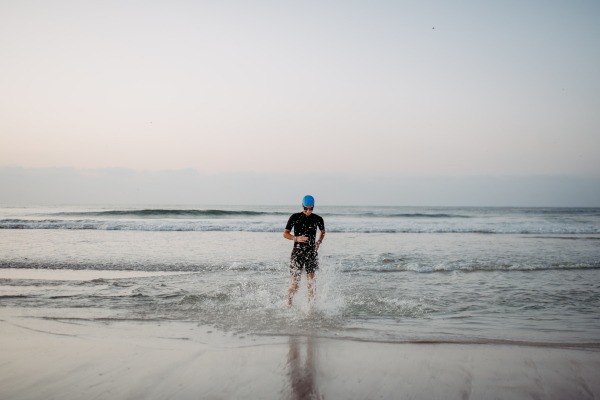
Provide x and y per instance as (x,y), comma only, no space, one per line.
(305,226)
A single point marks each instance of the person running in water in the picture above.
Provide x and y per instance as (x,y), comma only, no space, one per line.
(304,254)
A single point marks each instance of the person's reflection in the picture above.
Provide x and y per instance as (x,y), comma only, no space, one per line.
(302,377)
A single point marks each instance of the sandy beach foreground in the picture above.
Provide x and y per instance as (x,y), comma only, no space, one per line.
(102,359)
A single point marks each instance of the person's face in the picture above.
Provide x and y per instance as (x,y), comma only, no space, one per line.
(308,210)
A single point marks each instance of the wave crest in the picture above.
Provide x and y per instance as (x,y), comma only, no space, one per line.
(167,213)
(334,226)
(217,213)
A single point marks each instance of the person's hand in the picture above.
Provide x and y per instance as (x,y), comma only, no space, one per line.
(318,244)
(301,239)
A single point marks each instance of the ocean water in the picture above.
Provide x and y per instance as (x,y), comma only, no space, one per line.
(393,274)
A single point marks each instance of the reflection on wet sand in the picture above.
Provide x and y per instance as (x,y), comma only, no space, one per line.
(302,375)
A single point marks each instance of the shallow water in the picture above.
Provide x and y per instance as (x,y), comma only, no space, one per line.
(379,286)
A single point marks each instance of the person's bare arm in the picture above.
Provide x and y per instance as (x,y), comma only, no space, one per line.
(289,236)
(321,237)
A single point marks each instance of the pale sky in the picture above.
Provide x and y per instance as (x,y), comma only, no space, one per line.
(354,87)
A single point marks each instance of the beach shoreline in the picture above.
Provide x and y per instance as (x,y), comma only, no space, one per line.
(74,359)
(172,303)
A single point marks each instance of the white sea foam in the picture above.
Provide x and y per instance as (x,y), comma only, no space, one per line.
(357,226)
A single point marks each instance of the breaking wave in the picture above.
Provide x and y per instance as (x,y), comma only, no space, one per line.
(215,213)
(364,226)
(161,213)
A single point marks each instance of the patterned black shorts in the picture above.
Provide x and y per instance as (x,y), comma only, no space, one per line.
(306,258)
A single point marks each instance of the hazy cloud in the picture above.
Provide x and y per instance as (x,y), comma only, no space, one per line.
(126,186)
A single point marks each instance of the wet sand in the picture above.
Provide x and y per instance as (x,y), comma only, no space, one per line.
(107,359)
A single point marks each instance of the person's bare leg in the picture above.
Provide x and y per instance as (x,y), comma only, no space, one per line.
(295,282)
(312,287)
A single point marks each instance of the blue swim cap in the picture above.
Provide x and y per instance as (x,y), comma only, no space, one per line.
(308,201)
